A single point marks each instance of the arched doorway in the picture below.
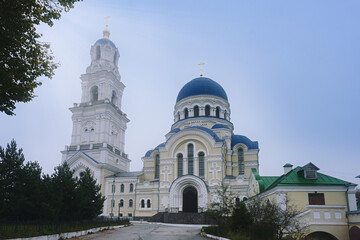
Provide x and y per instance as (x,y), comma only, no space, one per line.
(320,236)
(190,200)
(354,233)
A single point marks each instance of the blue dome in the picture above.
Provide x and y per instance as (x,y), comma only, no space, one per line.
(201,86)
(105,41)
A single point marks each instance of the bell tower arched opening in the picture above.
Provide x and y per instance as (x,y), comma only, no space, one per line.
(190,200)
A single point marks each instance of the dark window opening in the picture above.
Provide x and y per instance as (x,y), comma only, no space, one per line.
(186,113)
(157,165)
(241,161)
(201,164)
(316,199)
(217,112)
(207,110)
(190,159)
(196,111)
(180,164)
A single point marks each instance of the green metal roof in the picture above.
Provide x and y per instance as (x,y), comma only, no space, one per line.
(296,178)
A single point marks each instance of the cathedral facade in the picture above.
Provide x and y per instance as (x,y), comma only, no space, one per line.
(200,153)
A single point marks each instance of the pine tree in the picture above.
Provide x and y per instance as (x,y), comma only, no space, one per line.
(89,196)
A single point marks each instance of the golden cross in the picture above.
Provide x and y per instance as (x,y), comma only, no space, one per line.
(107,21)
(201,68)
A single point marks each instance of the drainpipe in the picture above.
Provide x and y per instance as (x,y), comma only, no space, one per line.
(348,206)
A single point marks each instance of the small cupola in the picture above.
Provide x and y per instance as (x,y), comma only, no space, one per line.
(310,171)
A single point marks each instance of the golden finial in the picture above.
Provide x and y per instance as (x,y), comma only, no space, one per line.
(106,32)
(201,68)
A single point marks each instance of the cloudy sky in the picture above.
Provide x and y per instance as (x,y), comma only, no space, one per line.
(291,71)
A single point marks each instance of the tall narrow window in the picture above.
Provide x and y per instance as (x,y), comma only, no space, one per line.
(142,203)
(178,116)
(225,113)
(190,159)
(97,52)
(113,97)
(122,188)
(113,188)
(131,187)
(157,165)
(186,113)
(217,112)
(148,203)
(180,164)
(207,110)
(112,203)
(130,203)
(94,93)
(196,111)
(121,203)
(201,164)
(241,160)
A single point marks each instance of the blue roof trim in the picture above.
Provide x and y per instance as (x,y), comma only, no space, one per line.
(90,157)
(105,41)
(201,86)
(208,131)
(148,153)
(219,126)
(175,130)
(235,139)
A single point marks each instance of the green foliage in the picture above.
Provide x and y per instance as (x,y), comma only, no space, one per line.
(23,58)
(221,208)
(90,196)
(255,219)
(25,195)
(26,230)
(241,218)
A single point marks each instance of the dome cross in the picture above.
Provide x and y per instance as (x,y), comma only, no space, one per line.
(201,68)
(106,32)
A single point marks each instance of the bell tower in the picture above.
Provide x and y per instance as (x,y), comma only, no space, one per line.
(99,124)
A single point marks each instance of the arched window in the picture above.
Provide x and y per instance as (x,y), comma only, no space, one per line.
(190,159)
(237,200)
(142,203)
(241,160)
(217,112)
(186,113)
(113,188)
(121,203)
(148,203)
(115,58)
(201,164)
(196,111)
(157,166)
(131,187)
(113,97)
(130,203)
(94,93)
(225,113)
(97,52)
(180,164)
(207,110)
(112,203)
(122,188)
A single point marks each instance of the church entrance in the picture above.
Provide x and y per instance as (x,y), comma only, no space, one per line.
(190,200)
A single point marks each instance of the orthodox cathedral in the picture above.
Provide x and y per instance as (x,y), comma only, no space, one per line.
(200,153)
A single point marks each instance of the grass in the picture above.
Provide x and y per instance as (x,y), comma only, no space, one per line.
(23,230)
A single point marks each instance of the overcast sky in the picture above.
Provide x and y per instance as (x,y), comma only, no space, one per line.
(291,71)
